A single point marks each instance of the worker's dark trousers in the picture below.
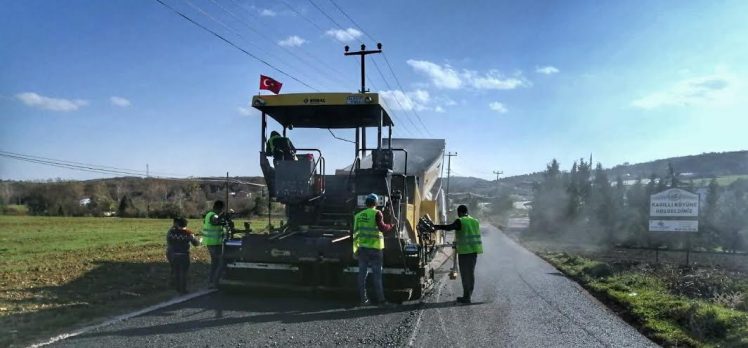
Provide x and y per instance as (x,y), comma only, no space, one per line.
(467,273)
(215,264)
(180,264)
(370,258)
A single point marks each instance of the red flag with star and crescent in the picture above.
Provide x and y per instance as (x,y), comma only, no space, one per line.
(270,84)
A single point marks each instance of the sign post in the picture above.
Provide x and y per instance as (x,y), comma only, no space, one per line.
(675,210)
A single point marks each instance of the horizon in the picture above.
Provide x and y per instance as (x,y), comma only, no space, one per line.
(561,167)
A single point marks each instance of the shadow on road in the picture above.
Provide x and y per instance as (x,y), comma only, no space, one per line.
(225,310)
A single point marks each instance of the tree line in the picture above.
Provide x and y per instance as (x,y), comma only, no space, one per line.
(584,205)
(129,197)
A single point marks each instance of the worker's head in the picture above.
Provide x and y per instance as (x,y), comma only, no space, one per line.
(274,134)
(180,222)
(218,206)
(462,210)
(371,200)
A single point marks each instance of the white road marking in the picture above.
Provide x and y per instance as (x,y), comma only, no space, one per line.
(123,317)
(414,334)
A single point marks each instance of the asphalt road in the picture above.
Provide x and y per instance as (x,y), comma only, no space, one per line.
(519,301)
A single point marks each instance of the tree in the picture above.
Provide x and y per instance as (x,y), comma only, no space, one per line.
(673,176)
(549,202)
(601,203)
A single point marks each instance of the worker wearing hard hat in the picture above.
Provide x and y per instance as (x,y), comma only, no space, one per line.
(468,244)
(368,243)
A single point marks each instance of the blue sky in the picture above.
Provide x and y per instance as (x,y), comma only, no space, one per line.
(509,85)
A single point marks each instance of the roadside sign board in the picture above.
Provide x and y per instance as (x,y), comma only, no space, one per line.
(673,225)
(674,210)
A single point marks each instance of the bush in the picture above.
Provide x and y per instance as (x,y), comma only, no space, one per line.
(14,209)
(598,270)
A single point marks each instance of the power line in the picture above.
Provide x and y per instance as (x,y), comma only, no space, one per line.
(237,33)
(99,169)
(397,100)
(235,45)
(327,15)
(384,54)
(401,88)
(368,80)
(351,19)
(336,137)
(333,75)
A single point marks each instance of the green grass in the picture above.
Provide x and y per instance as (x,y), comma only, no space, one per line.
(57,272)
(729,179)
(669,319)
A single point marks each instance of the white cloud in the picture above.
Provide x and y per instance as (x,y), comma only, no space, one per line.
(119,101)
(268,12)
(447,77)
(244,111)
(292,41)
(716,89)
(398,100)
(439,109)
(55,104)
(346,35)
(547,70)
(494,80)
(498,107)
(441,76)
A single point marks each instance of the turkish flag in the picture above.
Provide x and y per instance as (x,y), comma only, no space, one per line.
(269,84)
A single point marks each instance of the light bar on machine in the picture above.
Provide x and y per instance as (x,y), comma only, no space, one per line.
(384,270)
(272,266)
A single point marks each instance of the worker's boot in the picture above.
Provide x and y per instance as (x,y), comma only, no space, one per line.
(463,300)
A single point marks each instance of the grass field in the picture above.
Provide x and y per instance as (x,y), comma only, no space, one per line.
(57,273)
(676,307)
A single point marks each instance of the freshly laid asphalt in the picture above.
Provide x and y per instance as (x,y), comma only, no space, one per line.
(519,301)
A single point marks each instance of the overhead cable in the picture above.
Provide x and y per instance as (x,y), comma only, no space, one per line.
(235,45)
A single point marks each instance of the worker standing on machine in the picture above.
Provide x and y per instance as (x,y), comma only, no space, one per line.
(468,244)
(280,147)
(368,243)
(213,238)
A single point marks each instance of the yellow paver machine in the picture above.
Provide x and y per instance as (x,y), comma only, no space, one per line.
(313,248)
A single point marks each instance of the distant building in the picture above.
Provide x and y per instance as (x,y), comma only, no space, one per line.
(85,201)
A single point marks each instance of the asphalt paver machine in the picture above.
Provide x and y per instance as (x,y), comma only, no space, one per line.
(312,249)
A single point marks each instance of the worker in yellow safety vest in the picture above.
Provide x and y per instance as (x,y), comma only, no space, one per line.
(212,234)
(368,246)
(280,147)
(469,245)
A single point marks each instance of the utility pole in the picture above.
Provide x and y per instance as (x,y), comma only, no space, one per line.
(449,172)
(363,53)
(497,174)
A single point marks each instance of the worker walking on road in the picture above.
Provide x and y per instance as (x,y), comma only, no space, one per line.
(178,241)
(213,238)
(468,244)
(368,243)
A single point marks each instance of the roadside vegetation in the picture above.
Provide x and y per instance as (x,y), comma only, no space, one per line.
(591,227)
(57,273)
(675,306)
(583,205)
